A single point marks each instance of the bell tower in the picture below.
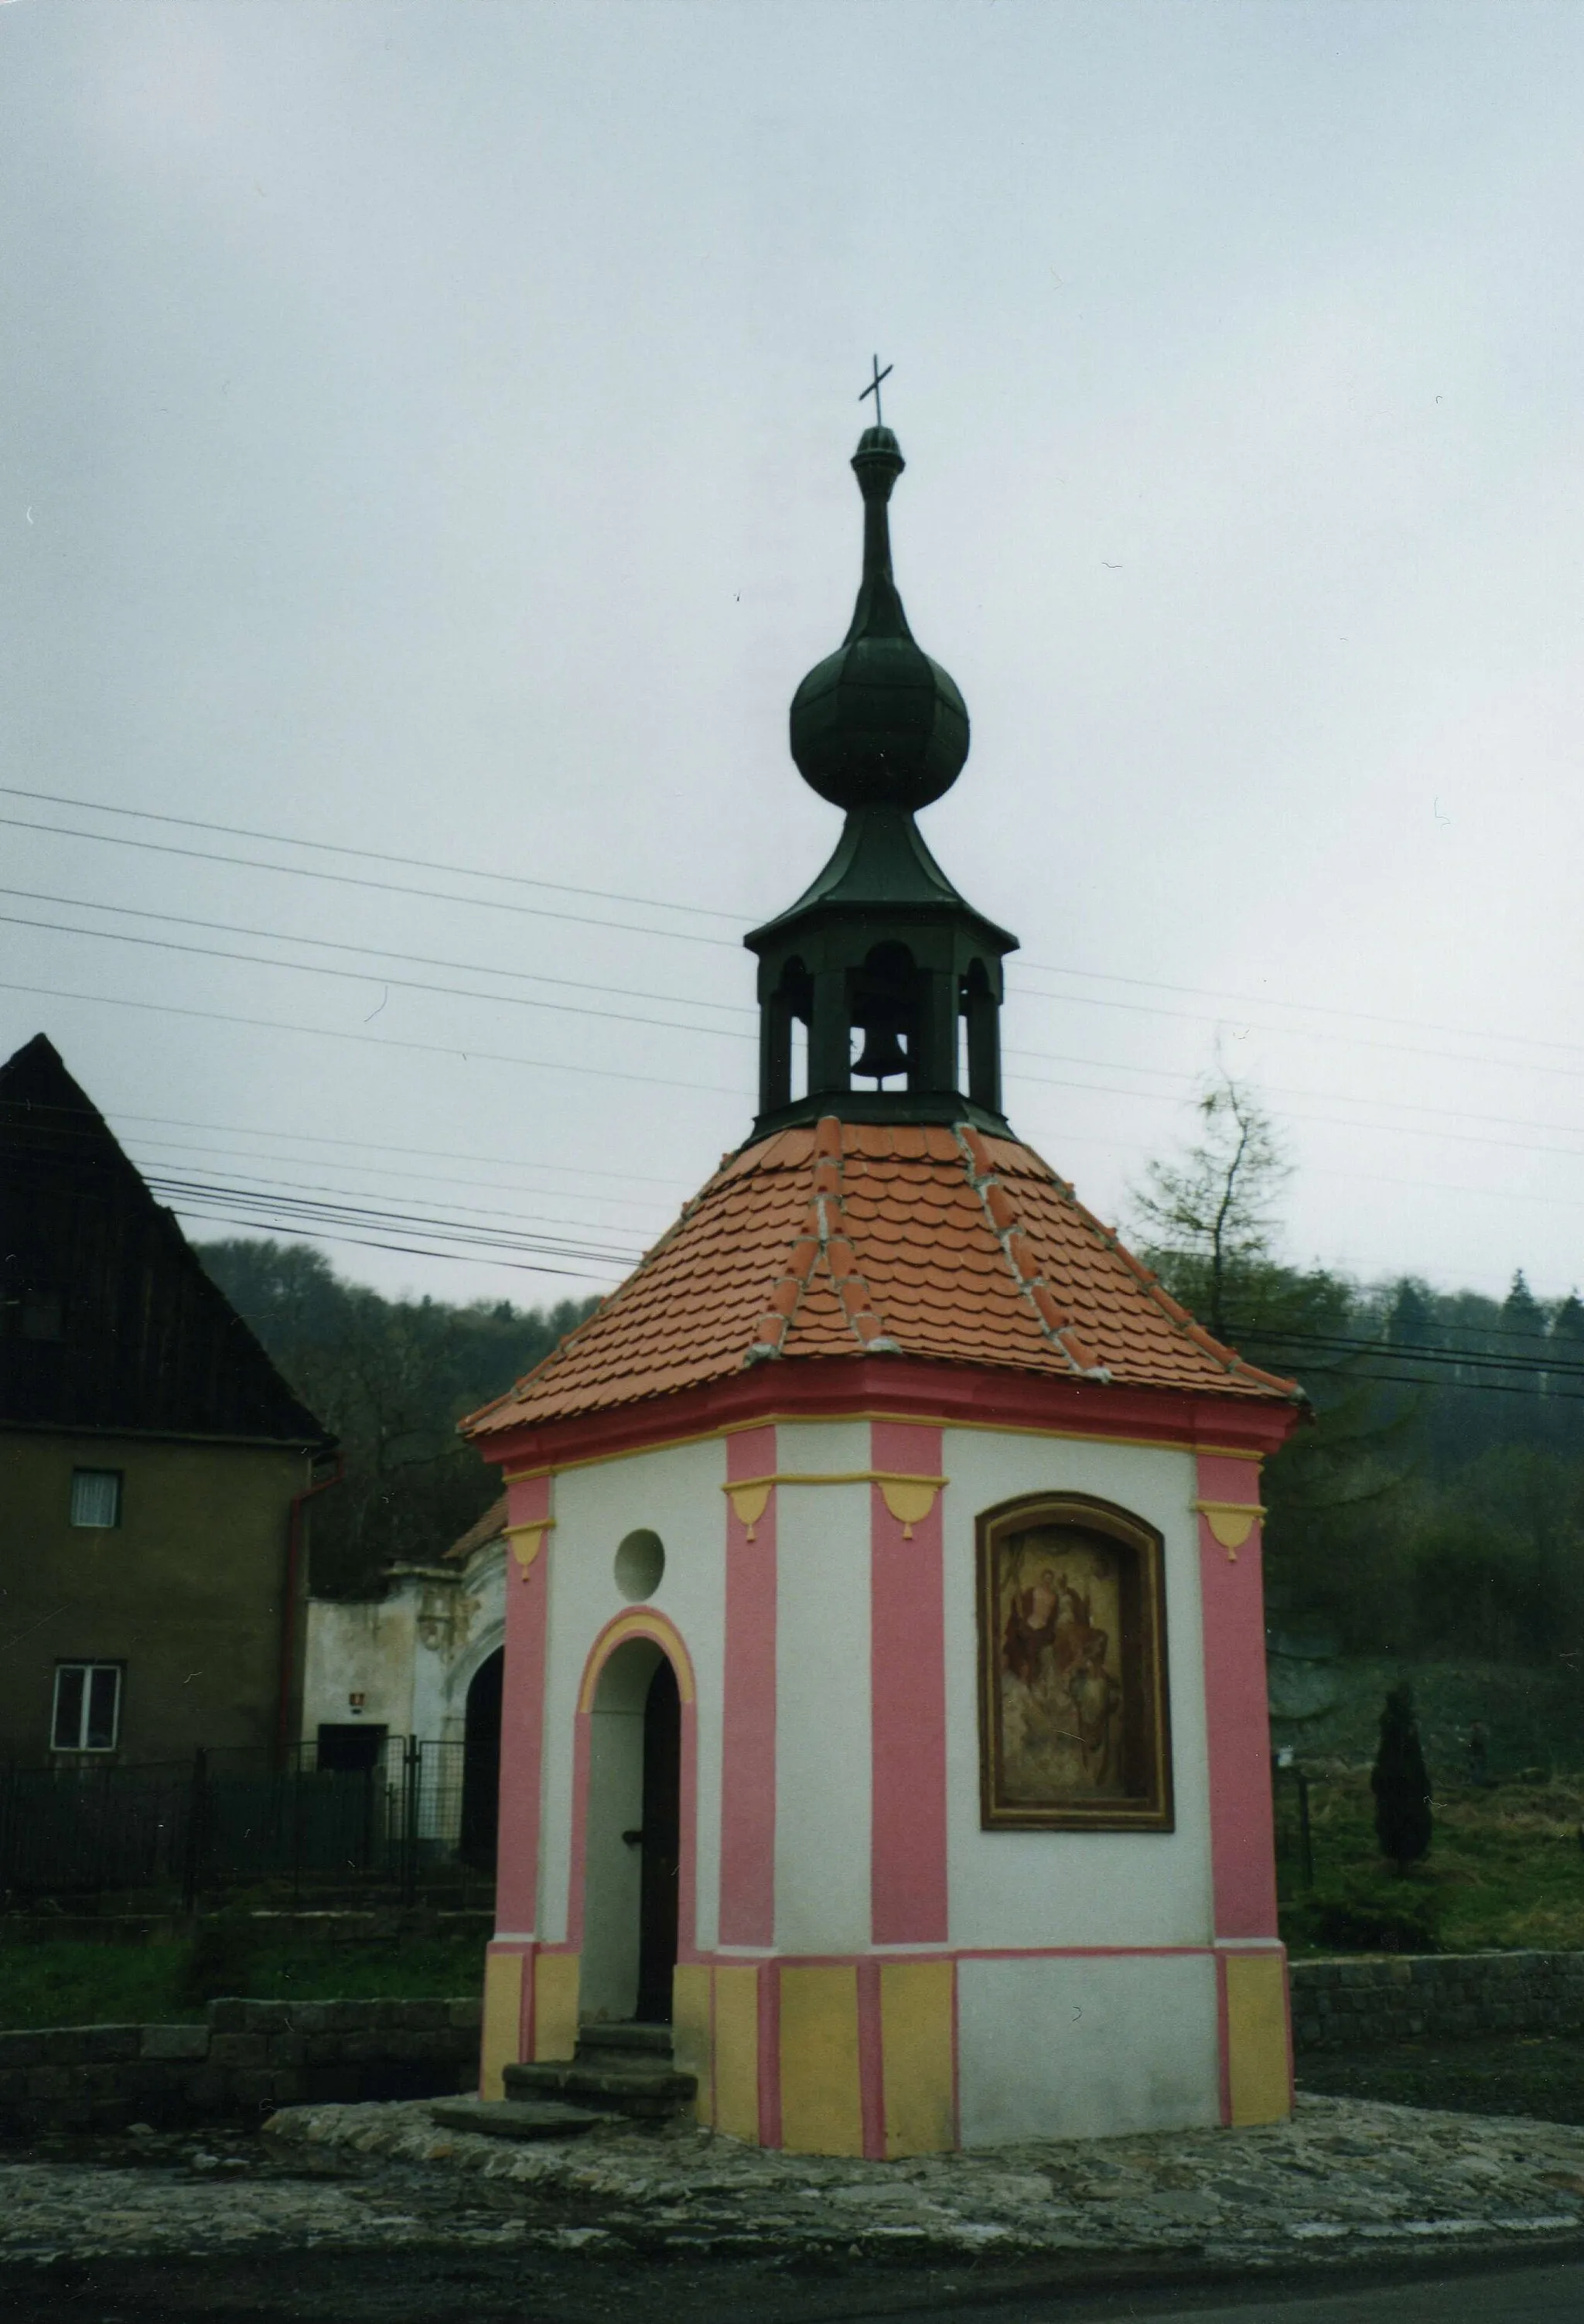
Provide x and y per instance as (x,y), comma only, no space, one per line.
(894,978)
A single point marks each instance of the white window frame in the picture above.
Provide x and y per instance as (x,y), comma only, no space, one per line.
(89,1670)
(88,1479)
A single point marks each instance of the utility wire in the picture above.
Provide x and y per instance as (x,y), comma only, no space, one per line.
(1046,968)
(369,1145)
(292,1190)
(369,977)
(366,952)
(480,968)
(369,854)
(660,1081)
(374,1040)
(354,880)
(618,1015)
(185,1192)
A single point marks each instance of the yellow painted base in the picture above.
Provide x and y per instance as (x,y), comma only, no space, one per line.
(555,2005)
(1258,2070)
(717,2038)
(690,2034)
(916,2036)
(503,2020)
(821,2109)
(736,2054)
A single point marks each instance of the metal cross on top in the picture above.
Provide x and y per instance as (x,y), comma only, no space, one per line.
(874,387)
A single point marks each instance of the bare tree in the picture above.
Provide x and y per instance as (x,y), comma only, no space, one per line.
(1215,1210)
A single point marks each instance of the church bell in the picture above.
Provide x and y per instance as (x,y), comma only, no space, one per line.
(882,1054)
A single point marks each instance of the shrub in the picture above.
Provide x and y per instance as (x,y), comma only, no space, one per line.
(1401,1784)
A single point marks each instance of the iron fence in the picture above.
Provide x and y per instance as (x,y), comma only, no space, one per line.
(1295,1832)
(418,1820)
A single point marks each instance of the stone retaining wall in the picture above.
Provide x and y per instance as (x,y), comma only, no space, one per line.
(1350,2005)
(246,2058)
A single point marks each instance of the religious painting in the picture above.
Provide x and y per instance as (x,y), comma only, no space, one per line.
(1074,1731)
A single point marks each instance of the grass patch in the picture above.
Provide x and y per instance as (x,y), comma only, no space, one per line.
(1506,1870)
(63,1983)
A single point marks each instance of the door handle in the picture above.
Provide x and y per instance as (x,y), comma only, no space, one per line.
(634,1839)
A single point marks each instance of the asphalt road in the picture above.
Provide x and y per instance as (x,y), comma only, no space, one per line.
(436,2285)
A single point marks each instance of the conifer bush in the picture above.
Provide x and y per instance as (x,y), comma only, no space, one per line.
(1400,1781)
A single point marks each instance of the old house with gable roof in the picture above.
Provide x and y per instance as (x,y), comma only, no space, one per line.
(155,1468)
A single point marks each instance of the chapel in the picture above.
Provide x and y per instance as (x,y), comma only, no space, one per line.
(885,1762)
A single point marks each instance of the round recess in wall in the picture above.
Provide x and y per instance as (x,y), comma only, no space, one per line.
(640,1561)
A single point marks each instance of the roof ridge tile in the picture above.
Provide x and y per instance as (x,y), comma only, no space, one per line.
(823,1237)
(1022,1257)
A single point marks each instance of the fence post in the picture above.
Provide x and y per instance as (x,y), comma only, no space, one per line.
(1305,1837)
(195,1820)
(297,1827)
(412,1764)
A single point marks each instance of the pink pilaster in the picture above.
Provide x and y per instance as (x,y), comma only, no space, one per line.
(908,1649)
(522,1715)
(1236,1713)
(748,1714)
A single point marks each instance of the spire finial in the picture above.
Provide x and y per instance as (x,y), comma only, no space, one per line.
(874,389)
(877,723)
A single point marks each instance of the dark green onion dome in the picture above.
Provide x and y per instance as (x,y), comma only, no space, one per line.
(877,723)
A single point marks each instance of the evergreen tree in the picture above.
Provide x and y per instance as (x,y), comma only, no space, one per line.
(1400,1781)
(1567,1327)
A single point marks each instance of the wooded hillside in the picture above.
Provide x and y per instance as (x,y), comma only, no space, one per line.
(392,1378)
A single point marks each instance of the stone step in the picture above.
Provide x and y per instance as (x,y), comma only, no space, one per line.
(514,2118)
(628,2033)
(649,2089)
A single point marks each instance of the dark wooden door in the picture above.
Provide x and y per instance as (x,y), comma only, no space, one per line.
(662,1839)
(481,1763)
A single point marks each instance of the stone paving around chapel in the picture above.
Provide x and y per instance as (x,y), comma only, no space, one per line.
(1345,2178)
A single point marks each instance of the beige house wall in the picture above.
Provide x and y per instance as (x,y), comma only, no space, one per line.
(187,1592)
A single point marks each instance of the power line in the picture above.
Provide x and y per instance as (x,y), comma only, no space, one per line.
(1044,968)
(184,1192)
(408,1249)
(180,1148)
(1310,1008)
(1406,1351)
(617,1016)
(366,952)
(293,1189)
(353,879)
(367,977)
(369,1145)
(658,1081)
(368,854)
(477,968)
(371,1040)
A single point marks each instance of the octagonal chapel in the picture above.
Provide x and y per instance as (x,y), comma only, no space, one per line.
(884,1759)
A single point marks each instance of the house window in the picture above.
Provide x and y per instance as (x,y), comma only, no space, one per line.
(88,1707)
(96,1497)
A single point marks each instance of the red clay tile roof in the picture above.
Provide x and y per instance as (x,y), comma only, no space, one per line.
(853,1238)
(480,1533)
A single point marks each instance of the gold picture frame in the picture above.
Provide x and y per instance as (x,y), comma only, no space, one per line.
(1073,1711)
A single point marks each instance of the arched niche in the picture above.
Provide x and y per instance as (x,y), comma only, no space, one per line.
(632,1836)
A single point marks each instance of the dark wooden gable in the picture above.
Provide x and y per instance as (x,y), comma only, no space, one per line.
(107,1317)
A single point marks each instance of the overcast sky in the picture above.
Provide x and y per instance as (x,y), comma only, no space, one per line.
(425,431)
